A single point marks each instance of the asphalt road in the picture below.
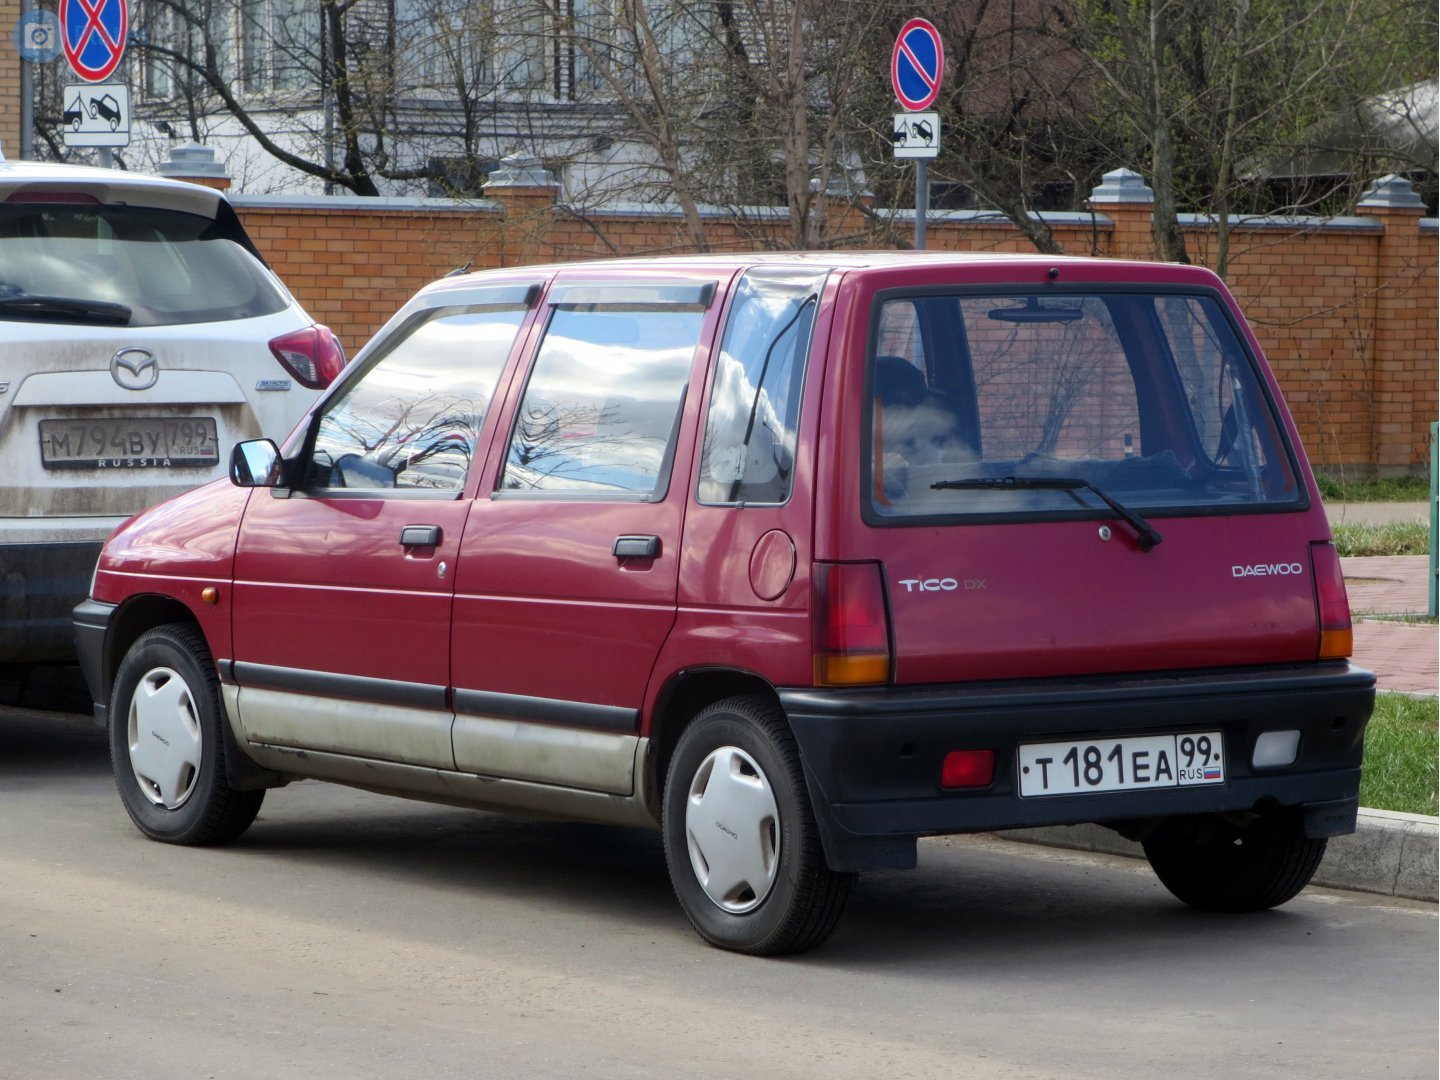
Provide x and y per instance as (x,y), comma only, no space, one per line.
(351,935)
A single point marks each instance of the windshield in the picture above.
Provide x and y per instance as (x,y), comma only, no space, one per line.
(161,267)
(1148,398)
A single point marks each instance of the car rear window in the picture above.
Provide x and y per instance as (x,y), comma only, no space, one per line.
(165,266)
(977,402)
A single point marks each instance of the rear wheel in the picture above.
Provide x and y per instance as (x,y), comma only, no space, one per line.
(740,836)
(166,742)
(1216,865)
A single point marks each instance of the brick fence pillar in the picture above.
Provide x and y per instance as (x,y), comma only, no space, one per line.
(196,164)
(1129,203)
(1402,357)
(527,193)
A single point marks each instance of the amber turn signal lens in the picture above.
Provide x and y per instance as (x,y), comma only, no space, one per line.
(852,629)
(1331,604)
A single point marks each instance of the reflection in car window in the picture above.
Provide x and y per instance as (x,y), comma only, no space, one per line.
(752,423)
(600,410)
(413,419)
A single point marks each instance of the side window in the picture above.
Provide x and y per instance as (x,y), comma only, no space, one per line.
(412,420)
(602,405)
(753,419)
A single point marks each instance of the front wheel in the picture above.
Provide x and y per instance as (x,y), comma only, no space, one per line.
(167,744)
(1215,864)
(741,842)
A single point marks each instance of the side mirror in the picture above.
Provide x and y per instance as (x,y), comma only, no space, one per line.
(255,463)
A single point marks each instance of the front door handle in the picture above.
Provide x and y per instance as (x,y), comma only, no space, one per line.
(420,536)
(636,547)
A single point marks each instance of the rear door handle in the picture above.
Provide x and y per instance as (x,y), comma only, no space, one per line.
(420,536)
(636,547)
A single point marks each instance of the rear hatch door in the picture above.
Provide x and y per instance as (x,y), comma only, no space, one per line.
(1080,479)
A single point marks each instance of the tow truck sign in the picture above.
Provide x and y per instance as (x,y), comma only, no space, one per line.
(96,114)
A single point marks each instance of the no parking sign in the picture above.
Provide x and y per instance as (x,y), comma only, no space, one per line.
(917,63)
(93,33)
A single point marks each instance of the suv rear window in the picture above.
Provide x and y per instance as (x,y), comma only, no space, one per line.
(1150,398)
(165,266)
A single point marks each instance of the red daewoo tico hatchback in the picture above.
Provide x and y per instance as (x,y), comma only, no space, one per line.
(794,558)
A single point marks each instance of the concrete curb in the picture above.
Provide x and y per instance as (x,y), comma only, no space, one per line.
(1392,854)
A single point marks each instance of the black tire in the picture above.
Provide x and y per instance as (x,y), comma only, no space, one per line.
(1216,865)
(741,843)
(166,743)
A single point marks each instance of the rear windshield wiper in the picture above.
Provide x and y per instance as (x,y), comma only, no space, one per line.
(1147,536)
(64,307)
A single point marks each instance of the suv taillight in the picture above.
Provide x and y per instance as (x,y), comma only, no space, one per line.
(312,355)
(852,630)
(1333,606)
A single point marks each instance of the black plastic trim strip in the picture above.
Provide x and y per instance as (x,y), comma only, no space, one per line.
(331,684)
(1050,692)
(560,713)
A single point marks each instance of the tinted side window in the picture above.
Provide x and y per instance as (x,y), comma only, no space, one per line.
(600,411)
(413,419)
(754,415)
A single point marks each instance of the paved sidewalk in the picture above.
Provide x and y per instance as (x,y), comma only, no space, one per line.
(1376,513)
(1404,656)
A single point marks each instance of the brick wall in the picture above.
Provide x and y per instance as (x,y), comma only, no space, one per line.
(1345,308)
(10,62)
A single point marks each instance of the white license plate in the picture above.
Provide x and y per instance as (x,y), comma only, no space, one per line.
(1133,764)
(132,443)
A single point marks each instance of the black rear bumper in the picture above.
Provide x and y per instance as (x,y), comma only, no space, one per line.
(873,756)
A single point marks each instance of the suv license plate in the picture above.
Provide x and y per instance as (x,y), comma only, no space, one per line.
(140,442)
(1148,761)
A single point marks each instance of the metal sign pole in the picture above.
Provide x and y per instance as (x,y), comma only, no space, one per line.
(922,200)
(27,111)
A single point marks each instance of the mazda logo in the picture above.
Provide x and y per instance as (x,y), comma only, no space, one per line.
(134,369)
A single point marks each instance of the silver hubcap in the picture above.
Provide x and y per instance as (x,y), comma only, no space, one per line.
(164,738)
(732,828)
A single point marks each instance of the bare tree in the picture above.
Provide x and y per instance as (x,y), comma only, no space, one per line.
(1204,89)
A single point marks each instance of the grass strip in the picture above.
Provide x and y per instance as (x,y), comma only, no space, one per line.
(1401,751)
(1394,538)
(1391,489)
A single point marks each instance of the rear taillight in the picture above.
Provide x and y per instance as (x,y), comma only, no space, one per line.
(1331,603)
(312,355)
(852,631)
(72,198)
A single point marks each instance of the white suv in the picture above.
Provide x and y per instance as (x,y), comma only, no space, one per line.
(140,333)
